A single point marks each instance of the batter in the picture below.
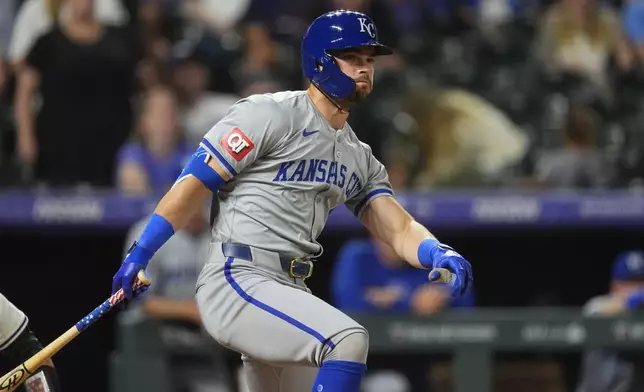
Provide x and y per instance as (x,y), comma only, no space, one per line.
(275,166)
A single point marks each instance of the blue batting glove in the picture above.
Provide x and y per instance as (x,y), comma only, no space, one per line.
(433,254)
(136,260)
(635,300)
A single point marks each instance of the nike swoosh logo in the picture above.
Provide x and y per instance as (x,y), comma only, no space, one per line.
(306,133)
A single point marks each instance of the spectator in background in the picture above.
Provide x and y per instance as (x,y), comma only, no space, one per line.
(263,59)
(451,16)
(459,140)
(157,27)
(152,163)
(606,370)
(218,16)
(199,109)
(578,162)
(491,16)
(633,21)
(7,13)
(285,20)
(37,17)
(83,71)
(369,277)
(210,27)
(579,38)
(170,299)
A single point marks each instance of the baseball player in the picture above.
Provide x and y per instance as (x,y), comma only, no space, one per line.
(18,343)
(277,164)
(605,370)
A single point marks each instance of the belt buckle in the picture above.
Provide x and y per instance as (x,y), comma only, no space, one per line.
(294,262)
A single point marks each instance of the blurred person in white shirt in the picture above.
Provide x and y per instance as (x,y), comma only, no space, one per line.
(35,17)
(579,37)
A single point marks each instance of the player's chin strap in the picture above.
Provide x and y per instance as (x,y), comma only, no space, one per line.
(333,100)
(23,347)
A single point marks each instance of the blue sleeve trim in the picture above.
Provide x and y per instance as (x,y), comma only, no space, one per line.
(220,157)
(370,196)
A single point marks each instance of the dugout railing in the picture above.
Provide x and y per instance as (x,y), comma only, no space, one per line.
(472,337)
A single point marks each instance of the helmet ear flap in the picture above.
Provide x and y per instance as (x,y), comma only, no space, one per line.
(336,83)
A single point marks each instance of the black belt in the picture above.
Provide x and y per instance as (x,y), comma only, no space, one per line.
(295,267)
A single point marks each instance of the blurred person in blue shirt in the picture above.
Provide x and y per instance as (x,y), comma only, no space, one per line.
(606,370)
(633,22)
(152,163)
(369,277)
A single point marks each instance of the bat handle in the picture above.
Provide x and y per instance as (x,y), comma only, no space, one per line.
(116,298)
(446,276)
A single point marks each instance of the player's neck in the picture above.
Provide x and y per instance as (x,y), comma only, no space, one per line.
(335,116)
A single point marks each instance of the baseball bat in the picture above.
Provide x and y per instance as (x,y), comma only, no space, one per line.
(445,277)
(12,380)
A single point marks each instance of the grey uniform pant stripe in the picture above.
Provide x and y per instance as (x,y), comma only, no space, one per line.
(271,310)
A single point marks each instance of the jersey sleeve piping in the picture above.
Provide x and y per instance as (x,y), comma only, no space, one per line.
(374,194)
(205,143)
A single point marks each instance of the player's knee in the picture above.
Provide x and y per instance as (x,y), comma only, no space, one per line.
(354,347)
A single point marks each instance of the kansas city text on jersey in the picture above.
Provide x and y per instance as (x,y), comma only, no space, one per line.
(319,170)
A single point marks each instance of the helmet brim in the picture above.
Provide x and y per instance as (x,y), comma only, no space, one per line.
(382,50)
(378,49)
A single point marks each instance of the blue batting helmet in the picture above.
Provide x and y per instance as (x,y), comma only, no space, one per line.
(336,31)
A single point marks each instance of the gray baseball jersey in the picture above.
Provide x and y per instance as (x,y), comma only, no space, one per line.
(290,169)
(12,322)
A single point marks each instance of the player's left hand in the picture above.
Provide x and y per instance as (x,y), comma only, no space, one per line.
(444,256)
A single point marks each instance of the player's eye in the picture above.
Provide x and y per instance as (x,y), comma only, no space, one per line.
(371,60)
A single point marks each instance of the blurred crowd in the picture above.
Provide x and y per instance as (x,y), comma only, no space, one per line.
(481,93)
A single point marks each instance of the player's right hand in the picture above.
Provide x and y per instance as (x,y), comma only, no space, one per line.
(125,277)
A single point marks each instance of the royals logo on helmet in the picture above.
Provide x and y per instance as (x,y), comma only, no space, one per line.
(368,27)
(237,144)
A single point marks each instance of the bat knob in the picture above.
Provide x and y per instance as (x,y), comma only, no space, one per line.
(143,277)
(441,275)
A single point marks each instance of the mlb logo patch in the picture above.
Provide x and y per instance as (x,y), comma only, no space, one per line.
(237,144)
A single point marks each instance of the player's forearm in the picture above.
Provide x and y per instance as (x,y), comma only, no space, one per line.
(183,201)
(407,241)
(172,214)
(171,309)
(388,221)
